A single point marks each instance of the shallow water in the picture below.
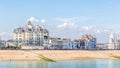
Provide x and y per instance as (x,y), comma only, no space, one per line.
(62,64)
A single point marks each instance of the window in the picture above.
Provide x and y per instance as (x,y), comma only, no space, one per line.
(45,37)
(20,39)
(20,35)
(29,29)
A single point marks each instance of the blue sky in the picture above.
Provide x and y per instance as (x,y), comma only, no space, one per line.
(64,18)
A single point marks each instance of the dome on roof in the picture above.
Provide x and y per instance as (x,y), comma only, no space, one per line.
(29,23)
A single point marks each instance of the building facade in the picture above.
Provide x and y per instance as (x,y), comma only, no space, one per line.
(90,42)
(31,35)
(59,43)
(1,44)
(87,42)
(114,42)
(78,44)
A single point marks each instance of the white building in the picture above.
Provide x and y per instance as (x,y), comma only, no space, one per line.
(58,43)
(101,46)
(31,35)
(114,42)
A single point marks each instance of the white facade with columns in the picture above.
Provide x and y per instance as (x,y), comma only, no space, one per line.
(31,35)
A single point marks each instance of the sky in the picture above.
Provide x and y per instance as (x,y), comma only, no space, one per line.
(63,18)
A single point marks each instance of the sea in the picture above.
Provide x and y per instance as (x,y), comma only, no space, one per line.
(62,64)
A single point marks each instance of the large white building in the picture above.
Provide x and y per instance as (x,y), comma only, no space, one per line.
(31,35)
(114,42)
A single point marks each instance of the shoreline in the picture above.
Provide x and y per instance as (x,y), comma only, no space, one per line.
(57,55)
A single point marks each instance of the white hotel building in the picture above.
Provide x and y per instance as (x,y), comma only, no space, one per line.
(31,35)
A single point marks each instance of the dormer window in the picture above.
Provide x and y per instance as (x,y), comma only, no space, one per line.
(29,29)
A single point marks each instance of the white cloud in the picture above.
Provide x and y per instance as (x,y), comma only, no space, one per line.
(62,25)
(98,31)
(42,21)
(78,28)
(71,27)
(95,29)
(3,33)
(6,35)
(67,22)
(32,19)
(67,25)
(71,22)
(88,27)
(75,19)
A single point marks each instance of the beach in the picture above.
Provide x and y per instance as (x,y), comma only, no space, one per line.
(56,55)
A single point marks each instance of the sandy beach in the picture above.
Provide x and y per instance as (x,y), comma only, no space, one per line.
(57,55)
